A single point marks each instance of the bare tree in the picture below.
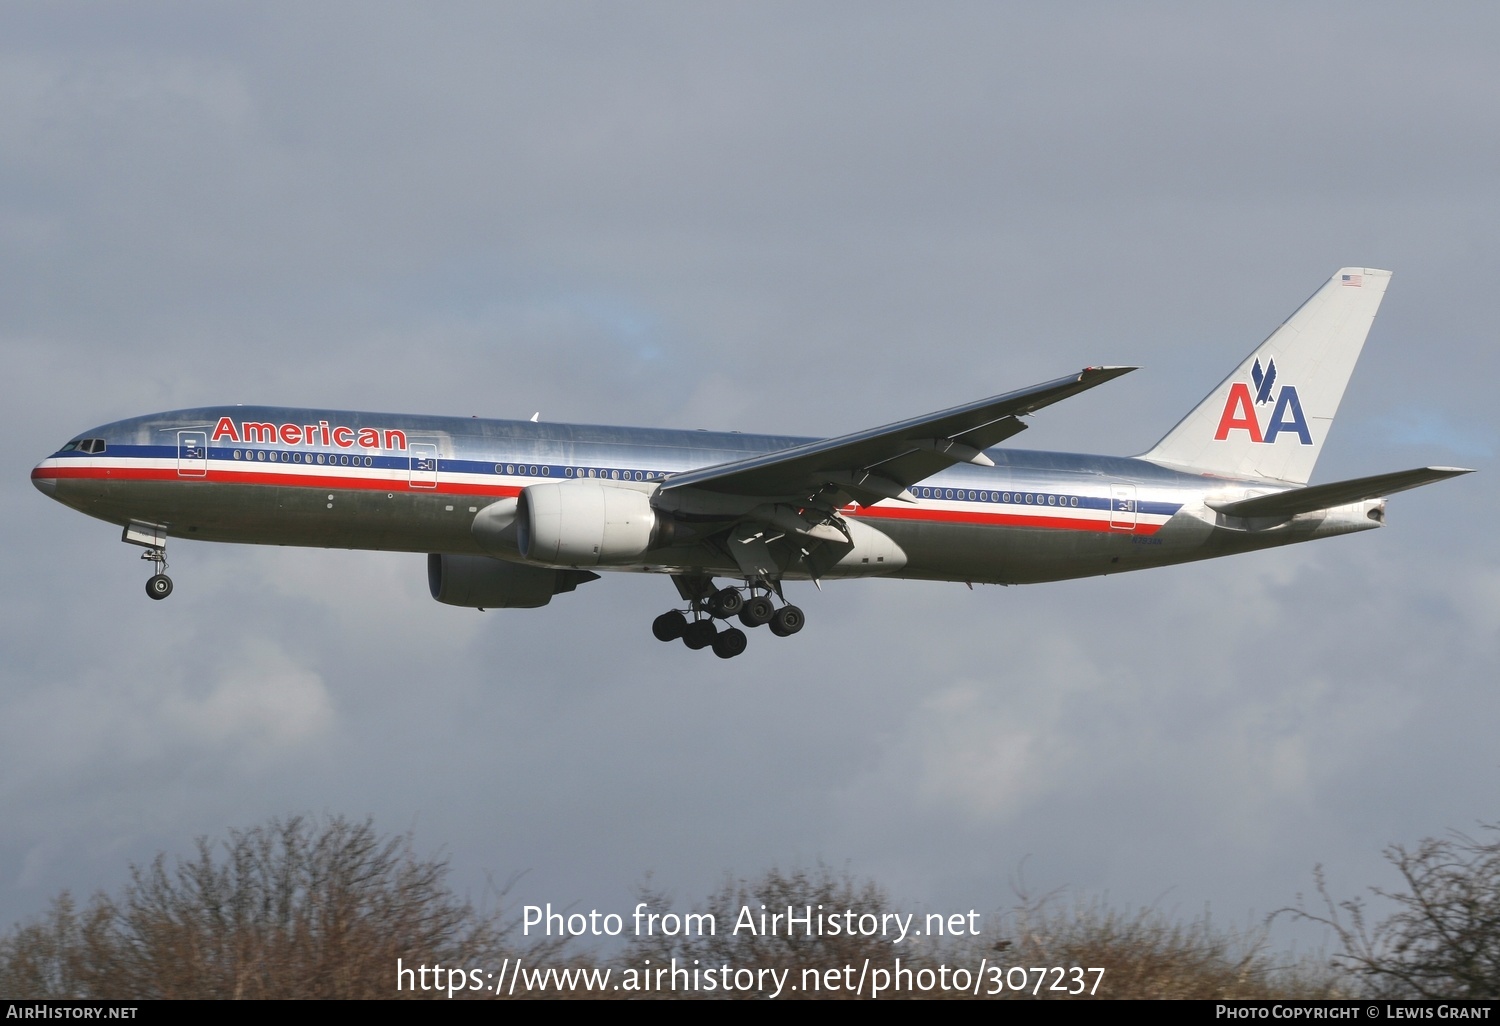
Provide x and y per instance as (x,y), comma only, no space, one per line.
(1146,954)
(291,909)
(744,934)
(1443,940)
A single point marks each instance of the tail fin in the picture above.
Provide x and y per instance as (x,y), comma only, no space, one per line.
(1269,418)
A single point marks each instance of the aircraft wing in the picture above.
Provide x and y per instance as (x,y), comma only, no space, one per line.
(1306,500)
(882,462)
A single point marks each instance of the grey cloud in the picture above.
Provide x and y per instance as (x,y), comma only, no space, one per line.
(802,219)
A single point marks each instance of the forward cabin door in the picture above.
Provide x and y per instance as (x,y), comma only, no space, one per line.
(423,465)
(192,454)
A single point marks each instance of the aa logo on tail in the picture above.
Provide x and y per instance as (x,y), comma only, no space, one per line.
(1240,408)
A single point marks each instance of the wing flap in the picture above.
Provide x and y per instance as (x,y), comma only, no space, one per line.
(1339,493)
(902,453)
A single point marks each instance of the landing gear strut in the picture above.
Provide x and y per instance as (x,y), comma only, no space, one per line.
(152,538)
(159,586)
(751,605)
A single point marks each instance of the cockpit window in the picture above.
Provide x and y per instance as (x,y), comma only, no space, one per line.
(75,443)
(89,445)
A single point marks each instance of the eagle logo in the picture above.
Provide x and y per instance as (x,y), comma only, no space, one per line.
(1264,380)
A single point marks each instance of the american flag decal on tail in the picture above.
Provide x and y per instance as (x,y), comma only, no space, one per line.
(1353,281)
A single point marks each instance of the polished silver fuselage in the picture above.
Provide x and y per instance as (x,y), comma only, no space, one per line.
(340,479)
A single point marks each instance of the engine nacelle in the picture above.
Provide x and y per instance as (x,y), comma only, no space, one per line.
(587,523)
(480,582)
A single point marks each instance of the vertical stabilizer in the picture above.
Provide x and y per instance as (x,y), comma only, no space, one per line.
(1269,418)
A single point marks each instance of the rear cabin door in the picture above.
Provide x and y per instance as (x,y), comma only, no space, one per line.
(1122,507)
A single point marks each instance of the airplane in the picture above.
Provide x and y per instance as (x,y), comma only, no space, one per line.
(514,513)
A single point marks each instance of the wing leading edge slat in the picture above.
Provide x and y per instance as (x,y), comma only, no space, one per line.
(902,453)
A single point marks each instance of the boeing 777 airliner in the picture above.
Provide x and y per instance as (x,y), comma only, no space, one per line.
(515,512)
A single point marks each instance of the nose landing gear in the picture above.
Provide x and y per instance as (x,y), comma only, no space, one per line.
(159,585)
(153,538)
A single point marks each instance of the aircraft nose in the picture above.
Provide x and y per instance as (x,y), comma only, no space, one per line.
(46,485)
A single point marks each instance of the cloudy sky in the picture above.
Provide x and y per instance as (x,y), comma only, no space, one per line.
(804,218)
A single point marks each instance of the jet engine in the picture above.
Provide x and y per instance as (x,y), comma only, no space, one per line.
(587,523)
(481,582)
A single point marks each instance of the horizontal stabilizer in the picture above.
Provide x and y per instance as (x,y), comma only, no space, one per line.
(1340,493)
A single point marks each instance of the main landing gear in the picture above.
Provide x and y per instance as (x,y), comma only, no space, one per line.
(752,607)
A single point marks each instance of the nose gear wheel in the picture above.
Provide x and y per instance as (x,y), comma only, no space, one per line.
(159,586)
